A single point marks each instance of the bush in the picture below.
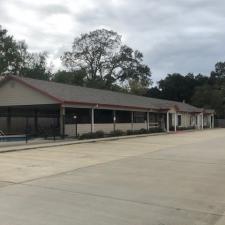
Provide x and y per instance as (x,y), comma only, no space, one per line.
(97,134)
(117,133)
(185,128)
(130,132)
(144,131)
(155,130)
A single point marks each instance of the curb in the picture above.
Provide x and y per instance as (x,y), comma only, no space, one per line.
(66,143)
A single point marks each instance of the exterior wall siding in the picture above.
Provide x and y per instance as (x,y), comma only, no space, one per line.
(70,129)
(14,93)
(187,120)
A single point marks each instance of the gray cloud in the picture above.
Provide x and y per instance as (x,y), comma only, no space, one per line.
(175,36)
(53,9)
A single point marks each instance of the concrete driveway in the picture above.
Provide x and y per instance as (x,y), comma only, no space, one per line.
(161,180)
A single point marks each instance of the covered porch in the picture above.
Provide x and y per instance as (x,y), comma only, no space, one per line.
(83,120)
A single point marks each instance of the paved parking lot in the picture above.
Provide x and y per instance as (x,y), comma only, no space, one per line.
(161,180)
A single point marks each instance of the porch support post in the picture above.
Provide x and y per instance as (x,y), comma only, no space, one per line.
(132,120)
(62,121)
(148,120)
(168,122)
(200,121)
(114,120)
(92,120)
(209,119)
(175,121)
(202,118)
(213,121)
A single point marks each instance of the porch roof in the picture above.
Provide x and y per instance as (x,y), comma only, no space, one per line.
(70,94)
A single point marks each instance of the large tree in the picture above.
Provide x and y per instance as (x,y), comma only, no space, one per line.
(15,59)
(75,77)
(178,87)
(35,66)
(210,97)
(10,57)
(106,61)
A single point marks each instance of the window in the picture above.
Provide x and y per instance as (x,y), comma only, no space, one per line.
(179,120)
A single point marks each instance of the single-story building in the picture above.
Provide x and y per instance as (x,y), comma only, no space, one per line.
(44,106)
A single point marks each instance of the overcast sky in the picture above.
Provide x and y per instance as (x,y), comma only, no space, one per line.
(174,35)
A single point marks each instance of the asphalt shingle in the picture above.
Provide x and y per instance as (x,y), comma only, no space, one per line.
(71,93)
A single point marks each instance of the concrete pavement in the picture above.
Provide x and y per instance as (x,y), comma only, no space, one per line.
(162,180)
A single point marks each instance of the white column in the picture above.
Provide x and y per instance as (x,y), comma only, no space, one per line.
(202,116)
(198,121)
(175,122)
(62,120)
(92,120)
(147,120)
(213,121)
(114,120)
(168,122)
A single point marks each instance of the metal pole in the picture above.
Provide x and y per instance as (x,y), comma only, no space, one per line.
(92,120)
(132,120)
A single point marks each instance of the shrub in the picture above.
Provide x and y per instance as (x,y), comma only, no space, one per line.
(142,131)
(93,135)
(99,134)
(130,132)
(116,133)
(185,128)
(155,130)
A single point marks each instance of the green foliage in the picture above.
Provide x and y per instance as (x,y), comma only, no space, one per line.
(74,77)
(136,87)
(177,87)
(117,133)
(35,67)
(219,72)
(106,61)
(10,58)
(210,97)
(144,131)
(201,91)
(15,59)
(185,128)
(92,135)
